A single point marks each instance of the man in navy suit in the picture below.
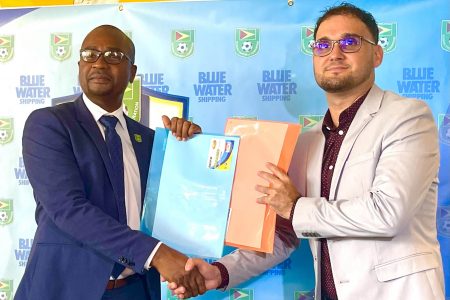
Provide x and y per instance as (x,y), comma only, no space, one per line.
(88,244)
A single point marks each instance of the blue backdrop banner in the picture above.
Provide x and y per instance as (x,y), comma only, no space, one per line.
(231,59)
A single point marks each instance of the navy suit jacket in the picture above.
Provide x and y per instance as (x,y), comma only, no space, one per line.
(79,236)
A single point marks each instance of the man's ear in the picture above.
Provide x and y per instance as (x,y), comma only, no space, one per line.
(378,55)
(133,73)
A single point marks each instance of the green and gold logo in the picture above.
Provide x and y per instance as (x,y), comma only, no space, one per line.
(183,43)
(307,39)
(132,99)
(445,35)
(387,37)
(6,130)
(60,45)
(6,212)
(309,121)
(247,41)
(304,295)
(6,289)
(6,47)
(444,128)
(241,294)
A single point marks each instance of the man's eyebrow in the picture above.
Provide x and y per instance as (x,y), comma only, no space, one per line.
(343,35)
(107,48)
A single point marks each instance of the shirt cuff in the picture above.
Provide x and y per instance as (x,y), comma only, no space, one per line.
(152,254)
(291,215)
(223,273)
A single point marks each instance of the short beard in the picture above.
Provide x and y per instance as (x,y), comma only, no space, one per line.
(336,85)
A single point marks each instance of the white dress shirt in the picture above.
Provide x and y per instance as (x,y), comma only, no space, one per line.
(131,172)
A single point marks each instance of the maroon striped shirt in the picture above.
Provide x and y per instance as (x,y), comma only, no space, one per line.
(334,136)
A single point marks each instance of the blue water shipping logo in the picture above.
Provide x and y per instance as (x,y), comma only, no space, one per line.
(32,89)
(154,81)
(280,269)
(23,251)
(21,174)
(418,83)
(212,87)
(276,85)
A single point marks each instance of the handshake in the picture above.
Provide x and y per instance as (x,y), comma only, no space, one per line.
(186,277)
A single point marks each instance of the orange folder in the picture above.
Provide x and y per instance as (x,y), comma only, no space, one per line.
(252,225)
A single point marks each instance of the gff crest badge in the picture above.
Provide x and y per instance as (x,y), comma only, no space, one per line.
(247,41)
(60,45)
(183,43)
(6,212)
(6,130)
(6,289)
(307,39)
(6,47)
(445,35)
(387,36)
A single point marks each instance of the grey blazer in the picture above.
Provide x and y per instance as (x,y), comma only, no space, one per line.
(380,221)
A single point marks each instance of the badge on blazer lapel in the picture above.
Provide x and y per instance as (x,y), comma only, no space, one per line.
(138,138)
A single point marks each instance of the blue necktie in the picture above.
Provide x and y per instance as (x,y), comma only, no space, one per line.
(114,146)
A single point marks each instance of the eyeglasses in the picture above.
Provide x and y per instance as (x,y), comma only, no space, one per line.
(113,57)
(348,44)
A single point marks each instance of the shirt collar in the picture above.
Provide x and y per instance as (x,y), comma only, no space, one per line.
(346,115)
(97,112)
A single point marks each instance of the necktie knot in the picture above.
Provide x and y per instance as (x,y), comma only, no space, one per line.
(109,121)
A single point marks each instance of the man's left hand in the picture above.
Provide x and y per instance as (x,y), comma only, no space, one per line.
(181,128)
(280,193)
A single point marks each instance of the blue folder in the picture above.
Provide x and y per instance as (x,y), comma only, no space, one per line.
(188,192)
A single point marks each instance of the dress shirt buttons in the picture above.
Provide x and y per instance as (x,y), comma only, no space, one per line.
(341,132)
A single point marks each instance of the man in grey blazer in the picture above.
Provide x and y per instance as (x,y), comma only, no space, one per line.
(362,186)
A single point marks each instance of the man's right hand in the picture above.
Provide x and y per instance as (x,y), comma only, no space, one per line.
(210,273)
(171,264)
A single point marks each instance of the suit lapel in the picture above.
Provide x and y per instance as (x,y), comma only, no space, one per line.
(90,126)
(368,109)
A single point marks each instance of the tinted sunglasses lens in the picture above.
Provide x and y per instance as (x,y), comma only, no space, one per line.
(350,44)
(113,57)
(89,55)
(322,47)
